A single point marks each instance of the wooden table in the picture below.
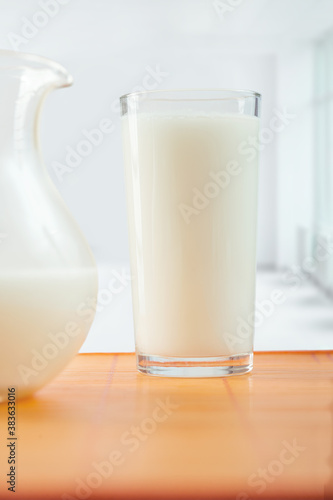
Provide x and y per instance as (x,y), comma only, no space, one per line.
(103,431)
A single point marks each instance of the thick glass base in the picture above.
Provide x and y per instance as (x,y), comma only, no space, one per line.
(219,366)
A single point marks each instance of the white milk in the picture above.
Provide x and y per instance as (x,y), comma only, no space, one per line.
(192,230)
(45,316)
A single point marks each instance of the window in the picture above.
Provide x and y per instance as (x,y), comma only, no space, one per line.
(323,115)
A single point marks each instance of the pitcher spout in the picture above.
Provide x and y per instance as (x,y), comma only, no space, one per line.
(48,71)
(25,80)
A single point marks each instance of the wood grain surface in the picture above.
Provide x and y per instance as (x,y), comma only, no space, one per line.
(101,430)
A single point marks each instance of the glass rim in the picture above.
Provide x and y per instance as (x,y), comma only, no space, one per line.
(233,94)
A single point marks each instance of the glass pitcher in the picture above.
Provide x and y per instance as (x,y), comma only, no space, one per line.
(48,277)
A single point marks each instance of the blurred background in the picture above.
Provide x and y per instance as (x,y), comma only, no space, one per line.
(280,48)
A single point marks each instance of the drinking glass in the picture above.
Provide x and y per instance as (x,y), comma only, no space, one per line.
(191,169)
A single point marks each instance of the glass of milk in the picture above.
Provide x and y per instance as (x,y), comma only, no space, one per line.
(191,180)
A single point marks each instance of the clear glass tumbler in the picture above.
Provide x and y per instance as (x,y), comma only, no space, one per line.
(191,169)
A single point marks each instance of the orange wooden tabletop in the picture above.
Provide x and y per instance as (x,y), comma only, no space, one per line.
(101,430)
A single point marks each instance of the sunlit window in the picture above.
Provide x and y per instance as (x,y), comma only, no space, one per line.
(324,134)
